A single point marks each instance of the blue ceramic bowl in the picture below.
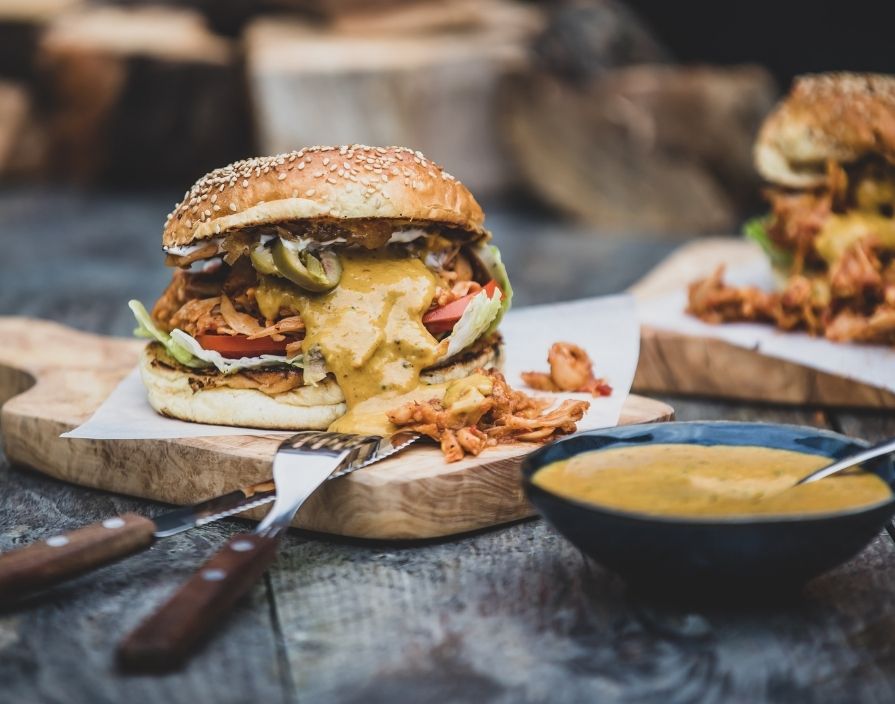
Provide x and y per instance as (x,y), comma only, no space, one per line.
(756,553)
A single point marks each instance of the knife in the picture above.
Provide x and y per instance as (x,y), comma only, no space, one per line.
(67,555)
(62,557)
(303,462)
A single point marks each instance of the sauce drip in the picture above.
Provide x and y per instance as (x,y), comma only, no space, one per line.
(716,481)
(369,330)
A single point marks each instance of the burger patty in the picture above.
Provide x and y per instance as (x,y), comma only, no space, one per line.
(271,380)
(484,354)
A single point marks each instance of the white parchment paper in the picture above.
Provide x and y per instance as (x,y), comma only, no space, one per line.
(606,327)
(870,364)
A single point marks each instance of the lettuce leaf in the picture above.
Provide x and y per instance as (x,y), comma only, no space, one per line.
(146,328)
(490,257)
(756,230)
(477,319)
(187,350)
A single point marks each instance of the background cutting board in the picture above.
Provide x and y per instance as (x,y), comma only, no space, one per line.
(675,363)
(55,377)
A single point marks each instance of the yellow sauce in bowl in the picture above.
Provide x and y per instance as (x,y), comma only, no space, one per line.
(708,481)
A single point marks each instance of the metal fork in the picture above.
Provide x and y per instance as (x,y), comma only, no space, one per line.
(303,462)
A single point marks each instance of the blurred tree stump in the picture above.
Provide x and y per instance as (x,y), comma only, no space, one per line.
(650,148)
(584,38)
(426,77)
(22,23)
(23,144)
(330,9)
(608,130)
(141,96)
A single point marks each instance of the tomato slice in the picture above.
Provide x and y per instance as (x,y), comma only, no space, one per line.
(445,317)
(236,346)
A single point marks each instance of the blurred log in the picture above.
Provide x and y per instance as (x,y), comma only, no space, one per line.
(22,137)
(644,148)
(141,96)
(330,9)
(432,90)
(438,16)
(227,17)
(21,24)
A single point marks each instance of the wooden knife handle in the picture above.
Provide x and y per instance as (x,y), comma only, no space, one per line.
(48,562)
(165,640)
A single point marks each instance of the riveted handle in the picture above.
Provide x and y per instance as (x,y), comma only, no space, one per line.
(60,557)
(165,640)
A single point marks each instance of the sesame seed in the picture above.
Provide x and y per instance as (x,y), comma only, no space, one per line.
(356,164)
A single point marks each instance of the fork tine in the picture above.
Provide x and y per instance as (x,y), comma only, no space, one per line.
(316,440)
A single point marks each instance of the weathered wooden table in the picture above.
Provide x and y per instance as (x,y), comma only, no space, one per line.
(514,614)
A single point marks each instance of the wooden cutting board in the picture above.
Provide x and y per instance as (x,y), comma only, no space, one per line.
(680,364)
(55,377)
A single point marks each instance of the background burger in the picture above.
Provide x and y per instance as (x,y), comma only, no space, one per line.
(311,283)
(828,151)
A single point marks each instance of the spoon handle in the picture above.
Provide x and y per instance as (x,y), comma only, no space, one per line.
(872,452)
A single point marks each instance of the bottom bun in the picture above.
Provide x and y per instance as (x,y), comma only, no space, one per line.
(172,394)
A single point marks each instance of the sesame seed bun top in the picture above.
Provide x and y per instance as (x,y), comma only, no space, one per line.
(341,184)
(833,116)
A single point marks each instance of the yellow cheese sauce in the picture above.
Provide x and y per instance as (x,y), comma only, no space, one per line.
(462,397)
(708,481)
(840,232)
(369,330)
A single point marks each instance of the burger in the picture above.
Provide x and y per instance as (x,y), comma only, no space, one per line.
(327,284)
(828,154)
